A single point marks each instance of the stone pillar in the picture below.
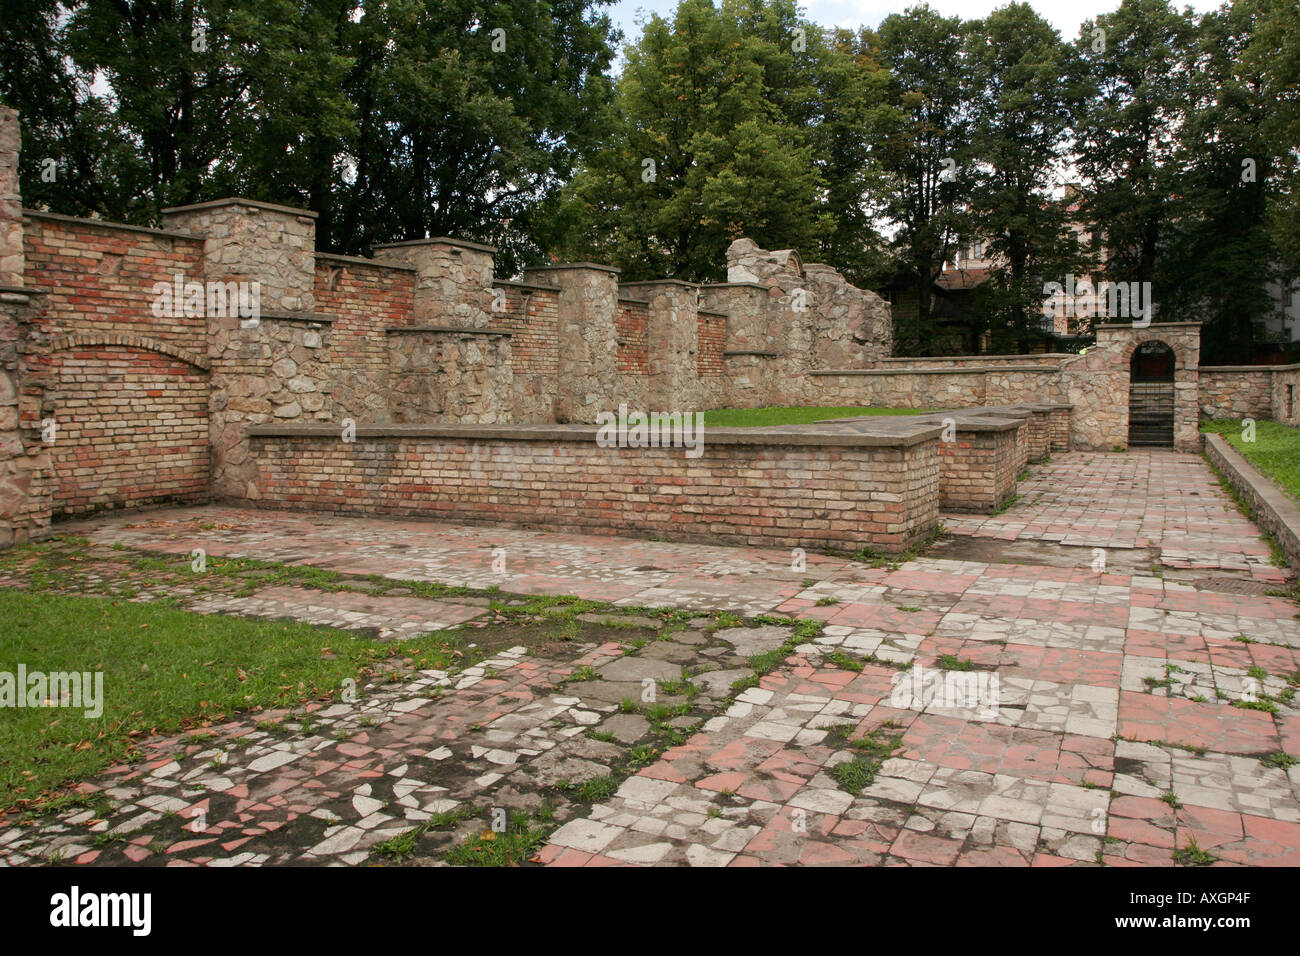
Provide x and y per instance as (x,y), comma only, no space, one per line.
(453,279)
(586,338)
(673,340)
(11,204)
(271,369)
(25,493)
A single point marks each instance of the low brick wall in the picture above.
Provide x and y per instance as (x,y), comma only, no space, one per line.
(1271,507)
(978,470)
(778,487)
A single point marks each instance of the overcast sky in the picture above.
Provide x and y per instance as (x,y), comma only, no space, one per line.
(1065,15)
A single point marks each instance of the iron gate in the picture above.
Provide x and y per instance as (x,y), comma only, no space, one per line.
(1151,413)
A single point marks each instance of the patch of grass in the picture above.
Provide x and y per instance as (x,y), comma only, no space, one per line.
(778,415)
(860,772)
(165,670)
(1264,703)
(828,602)
(1275,450)
(520,840)
(1279,761)
(1171,798)
(845,661)
(597,789)
(643,756)
(950,662)
(1005,505)
(1193,855)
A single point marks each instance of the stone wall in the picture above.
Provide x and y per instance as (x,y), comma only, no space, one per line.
(1097,385)
(25,474)
(673,343)
(759,487)
(447,375)
(586,339)
(1270,506)
(11,215)
(1286,394)
(1242,392)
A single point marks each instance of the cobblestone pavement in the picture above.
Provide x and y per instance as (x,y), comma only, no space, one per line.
(998,700)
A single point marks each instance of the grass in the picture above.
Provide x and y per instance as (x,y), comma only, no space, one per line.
(165,670)
(520,840)
(755,417)
(1193,855)
(1275,450)
(860,772)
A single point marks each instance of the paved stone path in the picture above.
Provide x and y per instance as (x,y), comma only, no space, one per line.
(997,701)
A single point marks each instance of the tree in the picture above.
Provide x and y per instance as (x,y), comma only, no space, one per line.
(1026,79)
(711,144)
(1136,89)
(392,120)
(1219,260)
(925,149)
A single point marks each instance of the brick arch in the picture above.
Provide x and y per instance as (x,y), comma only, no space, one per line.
(127,340)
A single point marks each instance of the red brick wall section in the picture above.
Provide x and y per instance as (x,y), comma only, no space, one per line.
(100,279)
(131,429)
(530,316)
(978,470)
(364,301)
(824,496)
(713,339)
(632,322)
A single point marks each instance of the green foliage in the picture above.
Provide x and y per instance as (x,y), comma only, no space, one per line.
(720,103)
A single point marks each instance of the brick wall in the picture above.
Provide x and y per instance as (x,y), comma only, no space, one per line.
(633,351)
(713,339)
(125,385)
(365,299)
(746,489)
(131,429)
(530,318)
(99,278)
(978,470)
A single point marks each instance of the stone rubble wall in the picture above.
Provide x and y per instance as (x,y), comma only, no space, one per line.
(404,337)
(1286,395)
(441,375)
(1245,392)
(586,339)
(1096,384)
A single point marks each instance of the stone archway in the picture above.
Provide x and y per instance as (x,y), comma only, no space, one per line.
(1096,384)
(1151,395)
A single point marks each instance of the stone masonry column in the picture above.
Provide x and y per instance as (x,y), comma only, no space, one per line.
(586,338)
(25,493)
(673,340)
(453,279)
(11,204)
(271,369)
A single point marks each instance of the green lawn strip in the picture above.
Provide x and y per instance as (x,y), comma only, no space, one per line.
(1275,450)
(754,417)
(164,670)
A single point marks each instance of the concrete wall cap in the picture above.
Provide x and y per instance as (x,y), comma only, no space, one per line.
(239,201)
